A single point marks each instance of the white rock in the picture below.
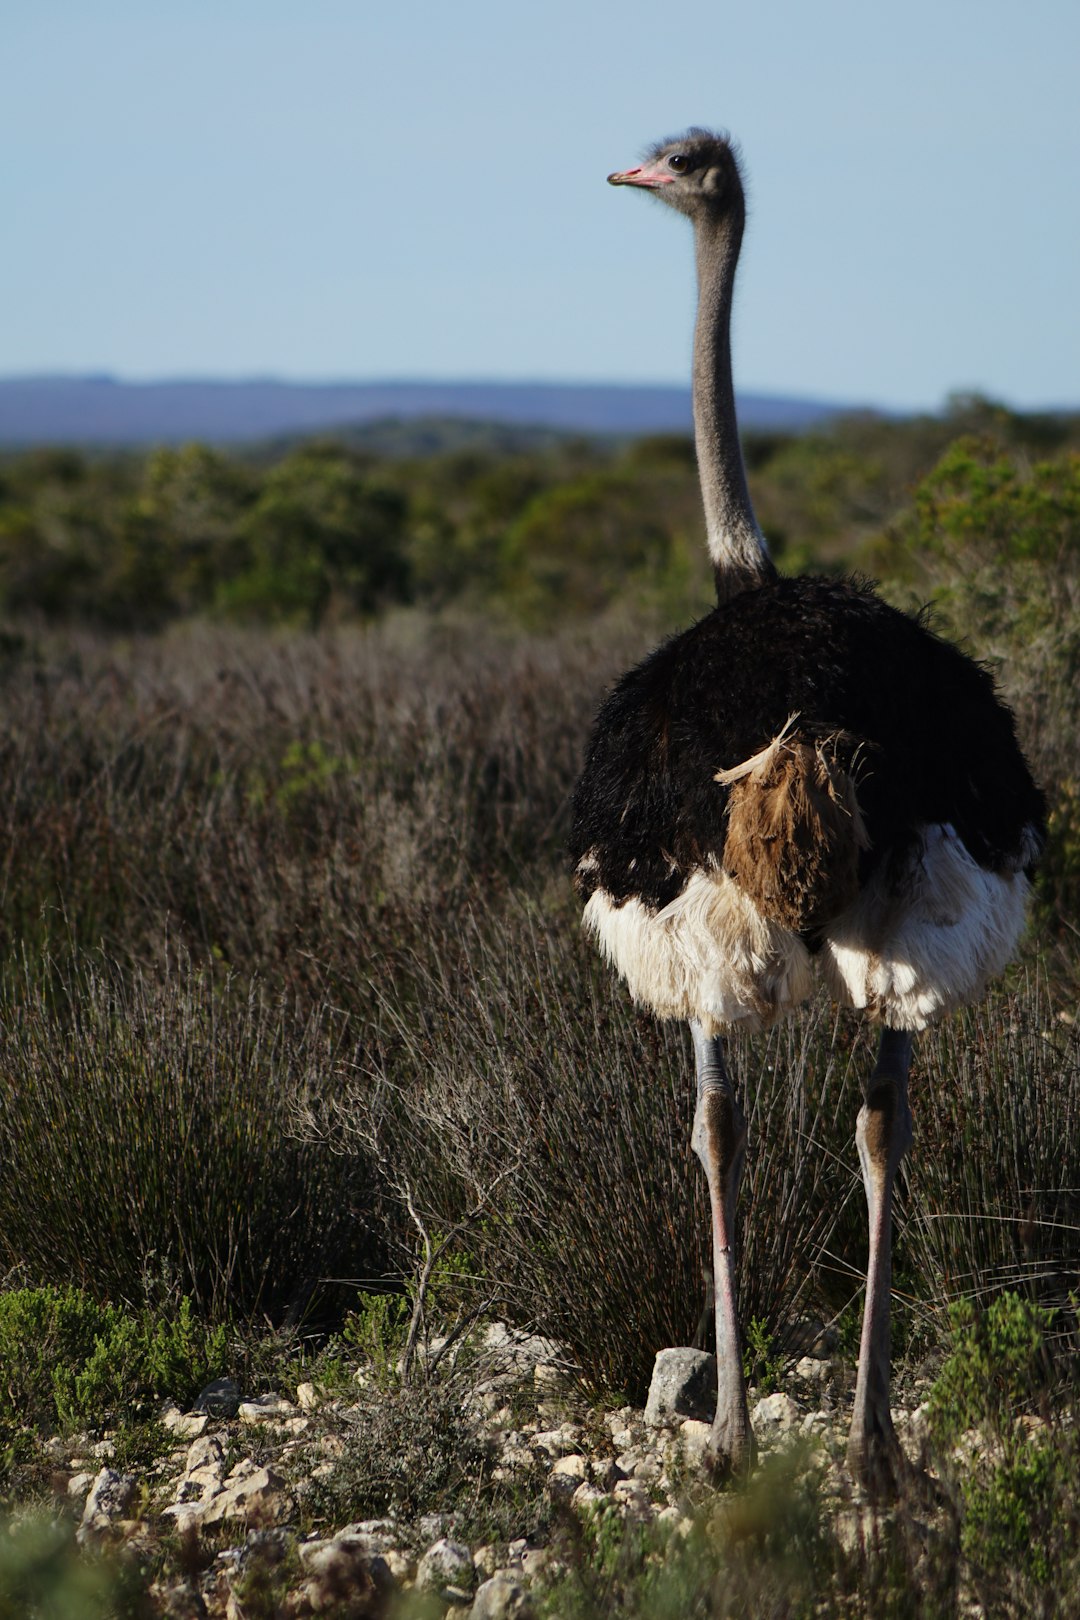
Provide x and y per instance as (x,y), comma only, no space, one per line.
(486,1560)
(815,1423)
(306,1397)
(548,1379)
(185,1516)
(812,1370)
(589,1496)
(206,1452)
(920,1419)
(516,1350)
(185,1425)
(519,1457)
(108,1501)
(502,1598)
(683,1385)
(401,1564)
(535,1562)
(605,1472)
(567,1474)
(676,1521)
(557,1442)
(79,1484)
(447,1569)
(632,1496)
(693,1438)
(378,1533)
(777,1412)
(308,1550)
(251,1495)
(265,1409)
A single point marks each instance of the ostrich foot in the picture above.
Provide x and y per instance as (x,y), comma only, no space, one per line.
(876,1458)
(878,1462)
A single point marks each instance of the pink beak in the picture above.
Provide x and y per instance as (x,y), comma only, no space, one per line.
(649,179)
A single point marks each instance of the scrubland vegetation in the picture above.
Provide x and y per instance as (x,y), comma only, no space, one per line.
(296,1020)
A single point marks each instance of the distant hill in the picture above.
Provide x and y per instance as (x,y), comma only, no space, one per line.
(104,411)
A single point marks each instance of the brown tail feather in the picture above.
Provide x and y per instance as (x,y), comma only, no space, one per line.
(795,831)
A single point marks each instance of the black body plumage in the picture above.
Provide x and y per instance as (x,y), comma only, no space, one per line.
(927,739)
(873,807)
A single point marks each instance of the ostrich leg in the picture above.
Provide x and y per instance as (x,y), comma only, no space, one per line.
(719,1140)
(883,1135)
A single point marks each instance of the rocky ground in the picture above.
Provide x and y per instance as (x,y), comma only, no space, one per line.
(239,1501)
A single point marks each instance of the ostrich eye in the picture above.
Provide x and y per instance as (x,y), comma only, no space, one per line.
(679,162)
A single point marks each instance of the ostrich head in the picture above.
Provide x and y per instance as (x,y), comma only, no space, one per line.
(697,173)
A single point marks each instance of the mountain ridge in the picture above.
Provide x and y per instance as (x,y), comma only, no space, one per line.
(97,409)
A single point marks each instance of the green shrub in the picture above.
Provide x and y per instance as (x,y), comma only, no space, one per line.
(1017,1514)
(763,1361)
(66,1358)
(769,1548)
(996,1367)
(320,537)
(615,535)
(1016,1474)
(44,1575)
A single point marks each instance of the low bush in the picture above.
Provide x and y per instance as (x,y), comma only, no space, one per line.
(44,1575)
(67,1359)
(778,1546)
(1003,1415)
(411,1452)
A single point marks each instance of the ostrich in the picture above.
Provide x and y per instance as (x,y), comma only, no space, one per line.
(805,778)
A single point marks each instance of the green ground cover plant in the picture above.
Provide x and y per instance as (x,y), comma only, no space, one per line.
(1002,1413)
(67,1359)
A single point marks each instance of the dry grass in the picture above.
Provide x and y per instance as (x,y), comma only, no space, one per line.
(250,875)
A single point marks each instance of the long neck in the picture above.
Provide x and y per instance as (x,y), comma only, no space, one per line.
(736,544)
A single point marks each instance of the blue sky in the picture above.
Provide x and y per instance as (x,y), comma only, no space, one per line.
(363,189)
